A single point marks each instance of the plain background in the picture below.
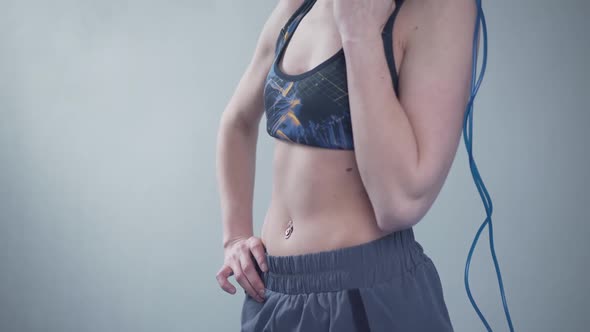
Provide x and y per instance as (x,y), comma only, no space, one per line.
(110,218)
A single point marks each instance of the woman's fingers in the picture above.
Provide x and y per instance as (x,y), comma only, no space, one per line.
(242,260)
(257,249)
(222,276)
(245,274)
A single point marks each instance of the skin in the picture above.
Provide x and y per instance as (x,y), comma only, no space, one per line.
(339,198)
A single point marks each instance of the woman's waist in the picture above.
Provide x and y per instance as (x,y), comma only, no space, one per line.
(291,231)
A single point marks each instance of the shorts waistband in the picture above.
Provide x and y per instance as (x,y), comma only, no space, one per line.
(356,266)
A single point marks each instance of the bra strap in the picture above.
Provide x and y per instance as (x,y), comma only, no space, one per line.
(291,24)
(388,44)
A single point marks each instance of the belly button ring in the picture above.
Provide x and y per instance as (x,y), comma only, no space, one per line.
(289,229)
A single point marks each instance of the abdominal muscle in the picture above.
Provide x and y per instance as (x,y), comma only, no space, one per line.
(321,191)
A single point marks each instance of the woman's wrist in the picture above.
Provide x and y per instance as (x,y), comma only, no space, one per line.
(228,241)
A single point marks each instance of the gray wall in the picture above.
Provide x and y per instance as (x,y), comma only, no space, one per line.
(109,212)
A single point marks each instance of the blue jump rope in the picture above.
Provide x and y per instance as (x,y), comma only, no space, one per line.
(467,136)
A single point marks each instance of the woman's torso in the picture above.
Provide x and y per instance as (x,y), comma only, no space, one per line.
(319,189)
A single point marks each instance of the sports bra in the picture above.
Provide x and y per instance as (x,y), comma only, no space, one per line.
(312,108)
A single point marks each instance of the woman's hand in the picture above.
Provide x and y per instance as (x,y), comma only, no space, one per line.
(238,262)
(360,19)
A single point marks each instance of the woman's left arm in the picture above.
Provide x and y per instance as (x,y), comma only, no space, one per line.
(405,147)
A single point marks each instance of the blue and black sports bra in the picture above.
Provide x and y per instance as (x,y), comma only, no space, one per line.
(312,108)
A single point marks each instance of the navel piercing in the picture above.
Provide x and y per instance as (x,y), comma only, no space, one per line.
(289,229)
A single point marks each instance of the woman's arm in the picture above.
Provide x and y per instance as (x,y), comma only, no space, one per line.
(238,130)
(405,147)
(236,155)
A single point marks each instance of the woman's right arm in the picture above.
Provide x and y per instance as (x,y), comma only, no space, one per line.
(236,155)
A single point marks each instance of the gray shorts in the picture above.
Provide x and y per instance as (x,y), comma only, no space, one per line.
(388,284)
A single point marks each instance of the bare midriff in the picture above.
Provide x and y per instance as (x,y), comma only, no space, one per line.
(321,193)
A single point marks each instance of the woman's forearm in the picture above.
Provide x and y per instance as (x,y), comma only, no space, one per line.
(236,157)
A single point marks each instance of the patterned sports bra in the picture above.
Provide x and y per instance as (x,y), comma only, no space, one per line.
(312,108)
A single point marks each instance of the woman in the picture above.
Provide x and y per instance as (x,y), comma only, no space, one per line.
(337,250)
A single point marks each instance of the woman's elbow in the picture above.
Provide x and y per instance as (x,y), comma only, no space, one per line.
(402,215)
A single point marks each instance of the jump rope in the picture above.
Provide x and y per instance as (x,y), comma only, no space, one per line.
(467,137)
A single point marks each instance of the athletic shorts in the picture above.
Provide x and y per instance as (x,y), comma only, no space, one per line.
(388,284)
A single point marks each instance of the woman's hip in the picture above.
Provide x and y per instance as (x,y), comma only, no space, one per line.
(380,285)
